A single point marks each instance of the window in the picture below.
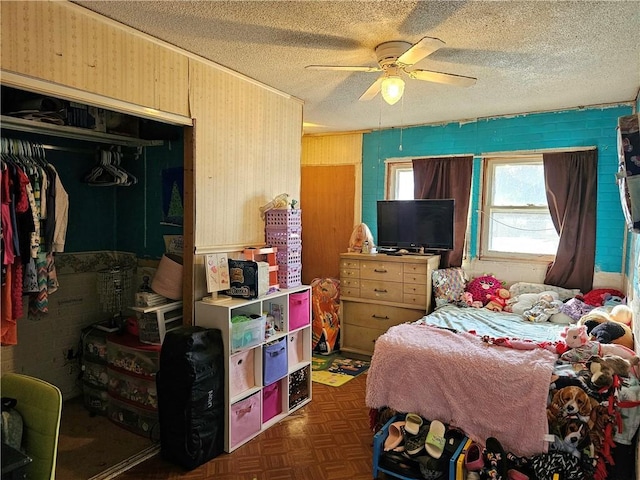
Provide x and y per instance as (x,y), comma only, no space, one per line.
(399,181)
(515,217)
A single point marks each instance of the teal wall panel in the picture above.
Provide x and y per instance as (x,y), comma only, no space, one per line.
(537,131)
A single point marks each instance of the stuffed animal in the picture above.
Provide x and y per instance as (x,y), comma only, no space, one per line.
(482,286)
(526,301)
(569,402)
(622,314)
(601,327)
(546,306)
(497,301)
(580,348)
(604,368)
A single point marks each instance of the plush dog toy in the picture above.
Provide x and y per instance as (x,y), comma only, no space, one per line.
(604,368)
(569,401)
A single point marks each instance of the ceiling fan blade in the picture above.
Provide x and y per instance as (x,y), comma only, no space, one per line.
(446,78)
(345,68)
(419,50)
(373,90)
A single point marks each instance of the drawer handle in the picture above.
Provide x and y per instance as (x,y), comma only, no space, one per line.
(380,290)
(380,270)
(380,317)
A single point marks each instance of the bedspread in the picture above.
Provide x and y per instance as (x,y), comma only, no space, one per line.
(486,390)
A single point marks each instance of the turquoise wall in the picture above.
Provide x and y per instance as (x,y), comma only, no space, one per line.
(563,129)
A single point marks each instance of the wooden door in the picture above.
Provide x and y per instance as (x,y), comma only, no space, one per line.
(327,202)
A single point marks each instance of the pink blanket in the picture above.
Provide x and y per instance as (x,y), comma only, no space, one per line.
(487,391)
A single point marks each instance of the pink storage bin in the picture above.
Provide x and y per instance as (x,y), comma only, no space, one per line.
(298,310)
(274,360)
(241,372)
(245,419)
(271,401)
(295,348)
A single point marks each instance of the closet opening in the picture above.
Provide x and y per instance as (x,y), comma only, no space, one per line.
(124,178)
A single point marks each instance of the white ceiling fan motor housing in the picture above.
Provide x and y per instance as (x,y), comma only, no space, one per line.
(388,52)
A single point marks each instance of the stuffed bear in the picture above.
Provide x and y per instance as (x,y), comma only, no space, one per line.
(601,327)
(482,286)
(497,301)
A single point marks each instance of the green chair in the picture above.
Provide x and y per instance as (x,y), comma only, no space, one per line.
(40,405)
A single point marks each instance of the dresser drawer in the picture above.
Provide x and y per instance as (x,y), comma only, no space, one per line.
(349,292)
(346,273)
(360,338)
(379,270)
(415,278)
(414,289)
(377,317)
(349,282)
(349,263)
(416,268)
(381,290)
(417,300)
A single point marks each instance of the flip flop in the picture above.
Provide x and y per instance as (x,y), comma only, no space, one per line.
(395,436)
(434,445)
(495,460)
(473,460)
(413,422)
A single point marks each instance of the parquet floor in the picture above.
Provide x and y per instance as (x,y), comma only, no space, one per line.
(328,439)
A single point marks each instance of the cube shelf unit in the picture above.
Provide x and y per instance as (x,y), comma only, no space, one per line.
(266,379)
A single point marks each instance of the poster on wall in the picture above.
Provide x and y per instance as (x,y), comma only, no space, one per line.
(629,169)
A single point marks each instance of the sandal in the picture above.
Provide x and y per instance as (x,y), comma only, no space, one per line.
(473,460)
(435,442)
(495,465)
(413,422)
(395,436)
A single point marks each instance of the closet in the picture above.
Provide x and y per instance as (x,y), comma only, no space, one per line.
(124,179)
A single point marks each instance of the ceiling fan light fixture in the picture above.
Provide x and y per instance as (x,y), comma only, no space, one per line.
(392,89)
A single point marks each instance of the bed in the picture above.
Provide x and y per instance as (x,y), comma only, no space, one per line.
(495,374)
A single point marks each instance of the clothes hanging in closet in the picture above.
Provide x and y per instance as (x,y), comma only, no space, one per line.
(34,217)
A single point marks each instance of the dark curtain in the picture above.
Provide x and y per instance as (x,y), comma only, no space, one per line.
(571,184)
(449,177)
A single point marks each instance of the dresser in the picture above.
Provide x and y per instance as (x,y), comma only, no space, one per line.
(378,291)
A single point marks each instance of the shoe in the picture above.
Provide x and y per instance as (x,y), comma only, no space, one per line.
(473,460)
(430,468)
(395,436)
(413,444)
(514,474)
(495,460)
(413,422)
(435,441)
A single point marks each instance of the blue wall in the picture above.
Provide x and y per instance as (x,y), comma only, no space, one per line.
(564,129)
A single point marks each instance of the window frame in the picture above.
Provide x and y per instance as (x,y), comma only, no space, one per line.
(391,177)
(488,165)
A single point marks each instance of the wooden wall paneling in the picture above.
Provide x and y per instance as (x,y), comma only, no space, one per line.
(332,149)
(188,254)
(328,195)
(171,81)
(252,145)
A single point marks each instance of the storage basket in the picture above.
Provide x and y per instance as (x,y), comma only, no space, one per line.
(299,386)
(284,238)
(289,257)
(241,372)
(284,219)
(275,360)
(299,310)
(290,276)
(271,401)
(244,419)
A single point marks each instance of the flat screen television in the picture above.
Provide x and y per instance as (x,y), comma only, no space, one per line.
(415,224)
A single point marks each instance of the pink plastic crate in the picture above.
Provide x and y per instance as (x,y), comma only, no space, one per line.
(298,310)
(289,257)
(284,238)
(271,401)
(284,219)
(245,419)
(290,277)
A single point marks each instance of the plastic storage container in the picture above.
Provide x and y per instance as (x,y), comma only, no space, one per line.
(248,333)
(128,353)
(274,360)
(289,257)
(136,419)
(245,419)
(283,218)
(138,389)
(290,276)
(95,374)
(284,238)
(94,344)
(96,399)
(154,322)
(298,310)
(271,401)
(241,372)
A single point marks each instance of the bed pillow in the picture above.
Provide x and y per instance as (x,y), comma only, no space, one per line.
(519,288)
(448,285)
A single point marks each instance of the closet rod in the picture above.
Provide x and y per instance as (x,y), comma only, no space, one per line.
(83,151)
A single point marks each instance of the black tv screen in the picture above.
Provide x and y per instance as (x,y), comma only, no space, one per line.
(415,224)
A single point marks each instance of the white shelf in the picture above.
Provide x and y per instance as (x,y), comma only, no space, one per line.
(76,133)
(218,314)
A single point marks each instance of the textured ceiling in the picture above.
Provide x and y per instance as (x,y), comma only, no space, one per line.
(527,56)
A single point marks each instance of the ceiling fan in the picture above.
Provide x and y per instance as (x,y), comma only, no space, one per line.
(395,60)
